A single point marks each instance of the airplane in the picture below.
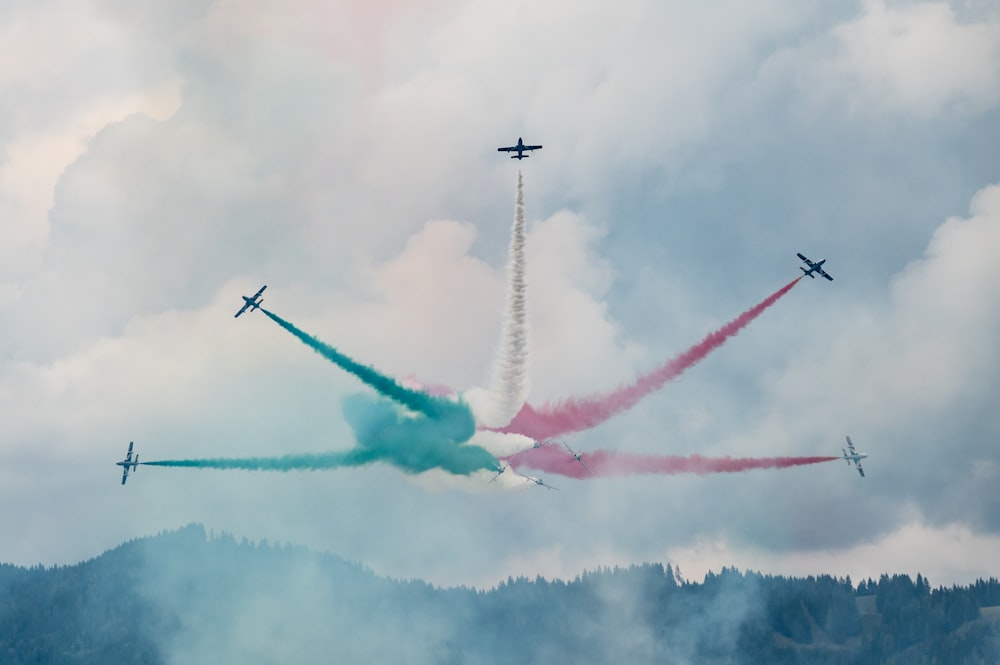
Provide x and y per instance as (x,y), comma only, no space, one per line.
(500,470)
(537,481)
(253,303)
(578,457)
(128,462)
(539,444)
(814,267)
(520,149)
(854,456)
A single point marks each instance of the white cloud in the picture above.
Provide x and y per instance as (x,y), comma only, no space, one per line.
(913,379)
(921,58)
(576,346)
(946,555)
(931,345)
(43,44)
(309,149)
(198,383)
(36,161)
(66,74)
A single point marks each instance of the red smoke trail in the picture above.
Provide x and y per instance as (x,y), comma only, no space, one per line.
(606,463)
(578,414)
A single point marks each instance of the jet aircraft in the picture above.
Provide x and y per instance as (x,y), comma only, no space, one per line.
(252,303)
(500,470)
(520,149)
(128,462)
(538,481)
(816,266)
(854,456)
(577,456)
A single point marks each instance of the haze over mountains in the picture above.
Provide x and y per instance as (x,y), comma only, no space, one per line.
(191,597)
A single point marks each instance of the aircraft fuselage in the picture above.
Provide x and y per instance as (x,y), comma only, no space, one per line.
(520,149)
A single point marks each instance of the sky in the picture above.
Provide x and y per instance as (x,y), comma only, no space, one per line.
(159,161)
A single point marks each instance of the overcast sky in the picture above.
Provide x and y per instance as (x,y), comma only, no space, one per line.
(160,160)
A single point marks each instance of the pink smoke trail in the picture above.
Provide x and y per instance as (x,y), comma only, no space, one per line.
(606,463)
(578,414)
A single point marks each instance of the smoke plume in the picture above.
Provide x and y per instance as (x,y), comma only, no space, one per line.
(605,464)
(509,386)
(578,414)
(385,433)
(441,409)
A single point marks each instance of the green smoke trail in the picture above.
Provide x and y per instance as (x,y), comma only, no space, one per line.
(437,408)
(385,433)
(429,433)
(282,463)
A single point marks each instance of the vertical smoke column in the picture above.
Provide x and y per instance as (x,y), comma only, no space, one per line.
(509,386)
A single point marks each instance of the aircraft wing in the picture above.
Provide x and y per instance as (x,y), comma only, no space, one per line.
(861,470)
(257,295)
(825,274)
(801,256)
(510,148)
(850,445)
(532,147)
(242,309)
(124,475)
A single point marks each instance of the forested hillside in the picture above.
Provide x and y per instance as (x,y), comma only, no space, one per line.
(186,597)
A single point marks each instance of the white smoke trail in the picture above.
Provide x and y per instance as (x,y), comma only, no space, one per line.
(509,387)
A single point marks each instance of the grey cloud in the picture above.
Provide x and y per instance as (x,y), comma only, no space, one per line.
(678,179)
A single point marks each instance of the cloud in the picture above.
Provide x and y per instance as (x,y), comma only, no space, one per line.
(346,156)
(931,345)
(913,378)
(576,344)
(194,382)
(35,161)
(914,60)
(948,315)
(956,554)
(66,73)
(921,57)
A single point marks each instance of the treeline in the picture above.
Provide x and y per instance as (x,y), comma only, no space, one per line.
(187,597)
